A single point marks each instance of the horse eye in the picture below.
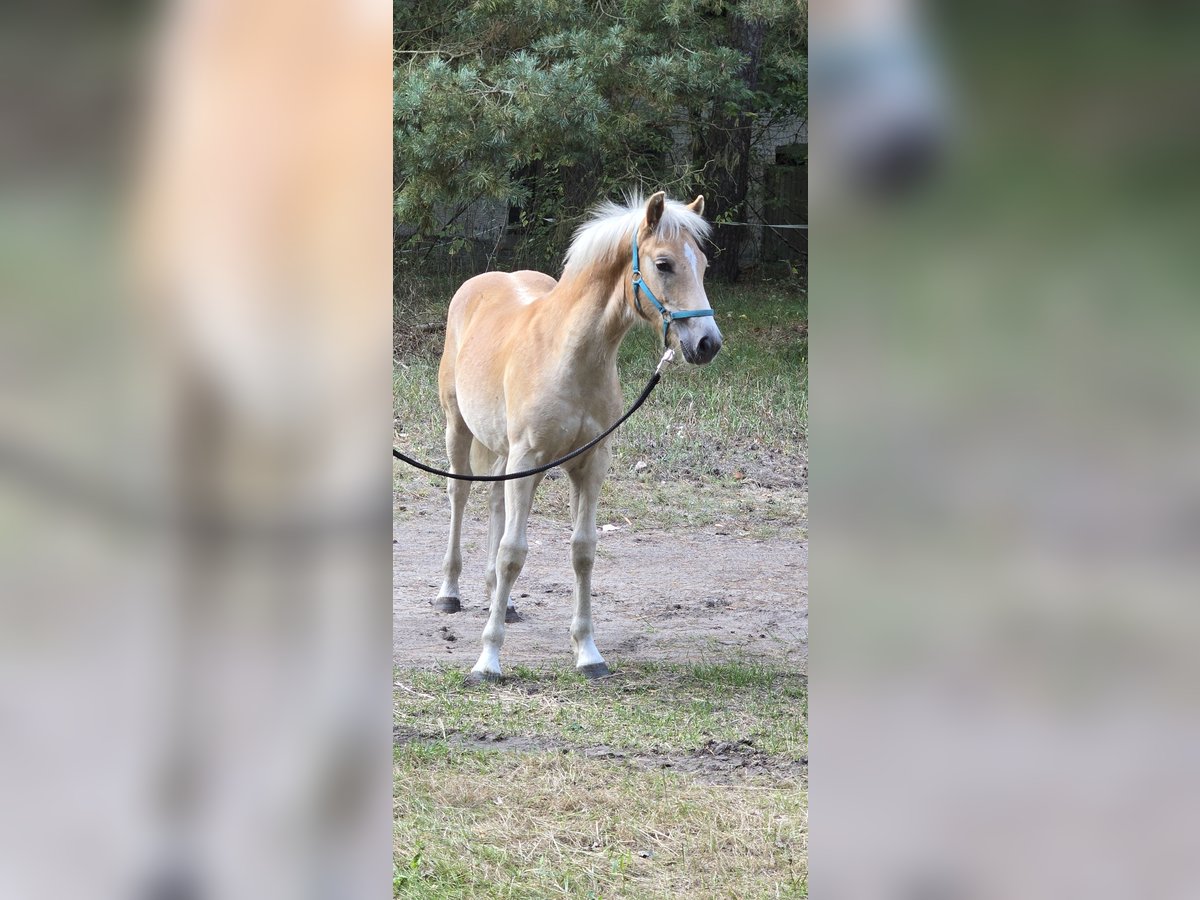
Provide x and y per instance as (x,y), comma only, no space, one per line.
(664,265)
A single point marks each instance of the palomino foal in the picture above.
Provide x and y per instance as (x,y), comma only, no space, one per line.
(529,373)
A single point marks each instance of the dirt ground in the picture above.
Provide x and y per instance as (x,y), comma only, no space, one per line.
(717,762)
(684,596)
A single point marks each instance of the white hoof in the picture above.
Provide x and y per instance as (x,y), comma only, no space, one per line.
(587,655)
(488,667)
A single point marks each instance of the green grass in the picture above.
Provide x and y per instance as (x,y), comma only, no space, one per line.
(726,442)
(552,821)
(645,707)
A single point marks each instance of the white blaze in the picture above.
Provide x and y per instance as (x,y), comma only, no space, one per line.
(691,258)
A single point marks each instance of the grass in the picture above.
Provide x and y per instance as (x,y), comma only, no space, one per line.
(474,825)
(726,443)
(552,821)
(647,707)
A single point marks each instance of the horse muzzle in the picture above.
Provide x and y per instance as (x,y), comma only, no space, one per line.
(700,343)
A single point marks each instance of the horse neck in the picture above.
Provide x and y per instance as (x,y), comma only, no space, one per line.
(593,313)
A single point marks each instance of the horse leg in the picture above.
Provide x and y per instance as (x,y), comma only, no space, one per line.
(458,448)
(510,558)
(495,532)
(585,494)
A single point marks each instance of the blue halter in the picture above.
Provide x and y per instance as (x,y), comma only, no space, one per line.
(667,316)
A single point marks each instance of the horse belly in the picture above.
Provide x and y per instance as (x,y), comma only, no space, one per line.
(480,395)
(488,424)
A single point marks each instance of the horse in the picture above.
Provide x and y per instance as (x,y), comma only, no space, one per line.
(529,373)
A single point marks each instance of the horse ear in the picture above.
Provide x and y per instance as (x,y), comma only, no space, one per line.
(697,205)
(654,209)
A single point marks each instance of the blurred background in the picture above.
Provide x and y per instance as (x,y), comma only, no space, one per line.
(1005,446)
(194,404)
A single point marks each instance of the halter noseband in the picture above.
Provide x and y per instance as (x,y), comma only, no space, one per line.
(667,316)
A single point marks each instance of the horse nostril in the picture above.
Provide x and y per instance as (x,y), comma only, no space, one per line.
(707,348)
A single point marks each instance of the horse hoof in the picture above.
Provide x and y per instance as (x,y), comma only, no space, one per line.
(474,678)
(511,615)
(447,604)
(595,670)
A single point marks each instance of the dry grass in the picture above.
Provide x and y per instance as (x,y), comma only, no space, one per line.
(558,819)
(473,824)
(740,506)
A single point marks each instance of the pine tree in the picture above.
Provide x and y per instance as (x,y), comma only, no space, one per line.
(551,105)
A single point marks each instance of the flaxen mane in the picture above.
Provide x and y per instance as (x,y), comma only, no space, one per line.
(606,235)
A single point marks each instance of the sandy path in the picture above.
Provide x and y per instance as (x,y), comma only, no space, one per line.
(682,596)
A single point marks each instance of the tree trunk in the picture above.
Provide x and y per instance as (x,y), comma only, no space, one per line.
(724,147)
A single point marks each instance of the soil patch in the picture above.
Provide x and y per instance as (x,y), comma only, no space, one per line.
(717,762)
(684,596)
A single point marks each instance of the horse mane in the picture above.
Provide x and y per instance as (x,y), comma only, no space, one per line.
(606,235)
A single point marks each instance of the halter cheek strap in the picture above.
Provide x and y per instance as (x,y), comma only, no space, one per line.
(667,316)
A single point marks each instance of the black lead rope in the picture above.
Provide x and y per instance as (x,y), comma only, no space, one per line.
(654,379)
